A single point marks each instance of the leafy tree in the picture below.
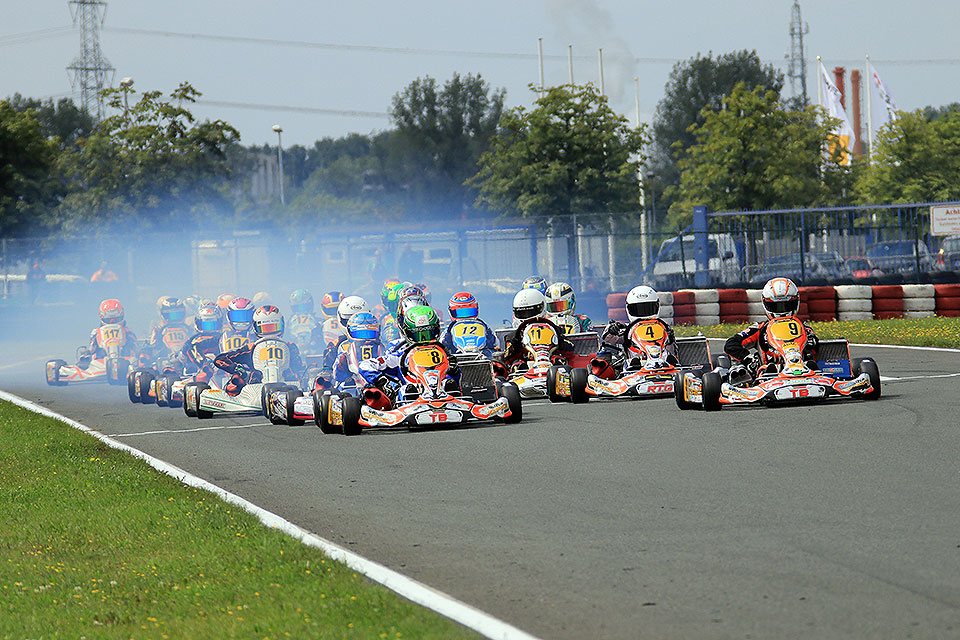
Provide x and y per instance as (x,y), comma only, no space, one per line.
(149,165)
(754,154)
(570,154)
(915,159)
(696,87)
(28,188)
(439,138)
(932,113)
(63,120)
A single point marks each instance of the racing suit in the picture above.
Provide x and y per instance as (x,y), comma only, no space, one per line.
(574,323)
(165,338)
(94,350)
(365,350)
(515,353)
(385,374)
(487,346)
(615,342)
(239,363)
(755,336)
(195,354)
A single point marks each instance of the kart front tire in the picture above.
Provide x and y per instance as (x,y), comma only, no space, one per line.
(350,407)
(167,389)
(512,393)
(265,392)
(146,380)
(203,414)
(711,391)
(117,369)
(682,404)
(869,367)
(53,372)
(578,386)
(321,412)
(188,391)
(553,375)
(132,392)
(292,394)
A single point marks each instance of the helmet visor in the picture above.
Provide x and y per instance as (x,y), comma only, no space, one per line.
(270,327)
(174,315)
(240,315)
(424,334)
(523,313)
(303,307)
(782,307)
(643,309)
(463,312)
(559,306)
(365,333)
(207,325)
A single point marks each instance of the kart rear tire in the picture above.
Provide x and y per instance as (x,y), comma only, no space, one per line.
(187,410)
(682,404)
(351,416)
(869,367)
(169,379)
(711,391)
(53,373)
(146,378)
(321,411)
(132,386)
(292,394)
(203,414)
(512,393)
(578,386)
(265,392)
(117,369)
(552,374)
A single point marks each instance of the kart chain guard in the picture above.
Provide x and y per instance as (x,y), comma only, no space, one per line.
(693,352)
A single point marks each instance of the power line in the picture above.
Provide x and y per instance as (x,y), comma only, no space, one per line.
(279,107)
(32,36)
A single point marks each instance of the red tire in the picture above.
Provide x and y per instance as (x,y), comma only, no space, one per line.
(683,310)
(732,295)
(620,315)
(947,290)
(682,298)
(818,293)
(819,306)
(616,300)
(886,315)
(733,308)
(887,291)
(887,304)
(948,303)
(948,313)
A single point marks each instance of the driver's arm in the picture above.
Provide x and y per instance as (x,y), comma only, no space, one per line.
(738,345)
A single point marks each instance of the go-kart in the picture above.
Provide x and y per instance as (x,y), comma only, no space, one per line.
(645,370)
(540,343)
(787,378)
(111,368)
(169,387)
(426,400)
(141,380)
(271,357)
(292,407)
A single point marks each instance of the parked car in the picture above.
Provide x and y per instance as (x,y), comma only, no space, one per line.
(829,265)
(676,264)
(902,256)
(949,255)
(863,267)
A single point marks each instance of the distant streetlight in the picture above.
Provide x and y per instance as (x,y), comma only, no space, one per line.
(279,130)
(126,83)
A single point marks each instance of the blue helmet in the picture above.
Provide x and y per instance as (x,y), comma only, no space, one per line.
(535,282)
(363,326)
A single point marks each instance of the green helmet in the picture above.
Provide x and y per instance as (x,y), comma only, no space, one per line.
(421,325)
(389,296)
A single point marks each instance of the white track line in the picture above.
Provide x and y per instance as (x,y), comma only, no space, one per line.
(934,375)
(218,428)
(445,605)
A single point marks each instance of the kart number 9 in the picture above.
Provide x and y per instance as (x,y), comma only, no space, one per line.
(786,330)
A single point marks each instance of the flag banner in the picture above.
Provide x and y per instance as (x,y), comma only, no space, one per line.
(885,95)
(830,101)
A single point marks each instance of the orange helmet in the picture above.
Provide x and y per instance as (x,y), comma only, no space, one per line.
(224,300)
(111,312)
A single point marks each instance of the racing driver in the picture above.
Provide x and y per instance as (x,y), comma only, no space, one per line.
(267,324)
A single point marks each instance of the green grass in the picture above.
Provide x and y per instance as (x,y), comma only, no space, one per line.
(95,543)
(921,332)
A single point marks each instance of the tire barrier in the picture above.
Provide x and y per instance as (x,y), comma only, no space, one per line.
(947,300)
(821,303)
(854,302)
(887,301)
(733,306)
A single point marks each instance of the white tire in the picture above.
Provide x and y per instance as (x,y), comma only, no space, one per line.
(701,296)
(668,320)
(708,320)
(854,304)
(861,291)
(666,311)
(918,314)
(919,304)
(754,295)
(917,291)
(708,308)
(753,317)
(756,309)
(666,298)
(848,316)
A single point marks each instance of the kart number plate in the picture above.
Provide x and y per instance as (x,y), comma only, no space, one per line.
(652,332)
(786,330)
(799,392)
(439,417)
(464,329)
(427,357)
(540,334)
(230,343)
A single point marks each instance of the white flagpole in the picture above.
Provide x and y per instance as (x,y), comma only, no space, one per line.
(819,82)
(540,58)
(869,75)
(601,71)
(570,59)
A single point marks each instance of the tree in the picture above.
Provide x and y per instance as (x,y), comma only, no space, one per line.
(440,136)
(28,185)
(915,159)
(570,154)
(754,154)
(152,165)
(695,88)
(63,120)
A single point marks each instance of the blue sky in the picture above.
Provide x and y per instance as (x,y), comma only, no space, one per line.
(381,46)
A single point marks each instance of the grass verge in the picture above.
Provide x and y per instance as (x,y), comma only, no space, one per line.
(95,543)
(921,332)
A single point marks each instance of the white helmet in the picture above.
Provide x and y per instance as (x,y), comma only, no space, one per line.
(780,297)
(268,321)
(348,307)
(642,303)
(561,300)
(528,303)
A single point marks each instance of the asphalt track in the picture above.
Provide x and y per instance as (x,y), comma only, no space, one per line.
(623,519)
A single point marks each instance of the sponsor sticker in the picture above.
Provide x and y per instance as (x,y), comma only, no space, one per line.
(799,392)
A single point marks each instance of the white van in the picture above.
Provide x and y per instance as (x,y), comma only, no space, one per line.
(723,262)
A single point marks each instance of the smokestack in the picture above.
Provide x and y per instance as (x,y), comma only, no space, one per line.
(838,76)
(855,107)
